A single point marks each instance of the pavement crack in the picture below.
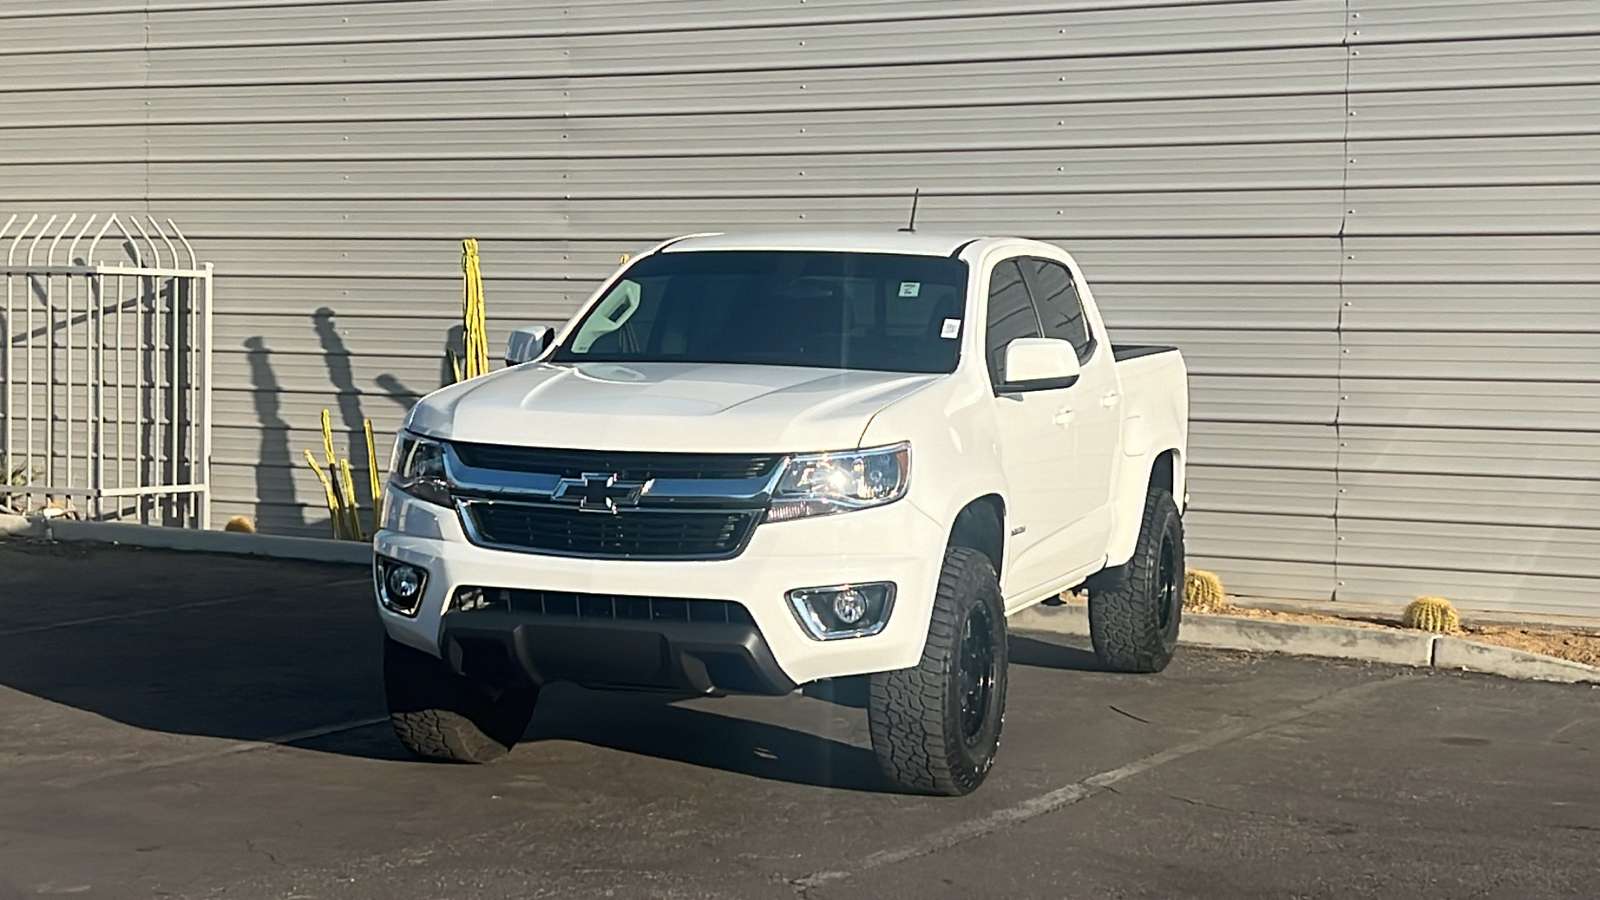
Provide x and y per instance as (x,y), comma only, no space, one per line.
(1201,803)
(1123,712)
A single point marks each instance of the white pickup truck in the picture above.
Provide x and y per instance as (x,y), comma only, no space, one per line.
(753,462)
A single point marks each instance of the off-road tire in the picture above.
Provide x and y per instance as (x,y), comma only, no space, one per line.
(1136,609)
(440,715)
(924,736)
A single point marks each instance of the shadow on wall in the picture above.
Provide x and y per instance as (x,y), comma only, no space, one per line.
(336,356)
(276,507)
(275,459)
(405,396)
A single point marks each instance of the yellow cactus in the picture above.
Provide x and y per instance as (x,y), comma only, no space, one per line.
(347,497)
(1202,592)
(339,485)
(332,498)
(240,524)
(1434,614)
(327,440)
(372,476)
(475,332)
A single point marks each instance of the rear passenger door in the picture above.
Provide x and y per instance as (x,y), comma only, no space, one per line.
(1096,419)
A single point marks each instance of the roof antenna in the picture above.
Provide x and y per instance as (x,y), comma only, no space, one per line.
(911,227)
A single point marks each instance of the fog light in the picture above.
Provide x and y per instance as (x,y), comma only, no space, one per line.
(849,606)
(843,610)
(404,583)
(400,585)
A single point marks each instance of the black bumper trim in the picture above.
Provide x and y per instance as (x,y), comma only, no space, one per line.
(686,657)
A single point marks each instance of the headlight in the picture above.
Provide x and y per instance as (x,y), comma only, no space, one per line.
(418,469)
(818,484)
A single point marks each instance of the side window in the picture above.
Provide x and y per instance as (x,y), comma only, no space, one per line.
(1011,315)
(1060,310)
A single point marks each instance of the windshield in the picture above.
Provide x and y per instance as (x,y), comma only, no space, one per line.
(879,311)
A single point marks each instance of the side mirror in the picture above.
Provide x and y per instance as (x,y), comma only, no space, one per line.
(1035,363)
(527,343)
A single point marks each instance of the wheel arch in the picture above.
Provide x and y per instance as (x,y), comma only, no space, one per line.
(981,525)
(1162,470)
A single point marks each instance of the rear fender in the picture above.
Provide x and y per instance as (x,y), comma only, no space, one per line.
(1161,468)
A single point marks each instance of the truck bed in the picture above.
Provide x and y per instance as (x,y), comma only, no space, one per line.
(1122,352)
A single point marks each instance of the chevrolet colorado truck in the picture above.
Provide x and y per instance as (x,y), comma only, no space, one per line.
(753,462)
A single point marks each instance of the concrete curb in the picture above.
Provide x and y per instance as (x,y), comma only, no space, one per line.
(1405,648)
(270,545)
(1455,653)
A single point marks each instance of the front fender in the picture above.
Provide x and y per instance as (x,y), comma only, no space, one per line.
(954,456)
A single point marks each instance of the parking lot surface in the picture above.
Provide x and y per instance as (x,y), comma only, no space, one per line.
(182,725)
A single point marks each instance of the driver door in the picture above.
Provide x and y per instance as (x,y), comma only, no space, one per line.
(1036,448)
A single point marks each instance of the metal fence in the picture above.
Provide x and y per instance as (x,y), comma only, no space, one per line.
(105,381)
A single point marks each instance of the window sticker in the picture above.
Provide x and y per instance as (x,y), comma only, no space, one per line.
(910,288)
(951,329)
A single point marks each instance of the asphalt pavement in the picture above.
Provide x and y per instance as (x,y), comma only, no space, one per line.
(186,725)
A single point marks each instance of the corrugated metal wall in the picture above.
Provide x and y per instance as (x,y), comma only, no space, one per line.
(1373,225)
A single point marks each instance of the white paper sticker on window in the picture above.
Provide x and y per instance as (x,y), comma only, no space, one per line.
(910,288)
(951,329)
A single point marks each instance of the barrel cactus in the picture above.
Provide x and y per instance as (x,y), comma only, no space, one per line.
(1202,592)
(1434,614)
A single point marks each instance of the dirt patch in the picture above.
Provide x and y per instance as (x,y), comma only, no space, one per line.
(1249,612)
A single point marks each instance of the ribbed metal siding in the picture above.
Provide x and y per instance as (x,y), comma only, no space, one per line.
(1371,225)
(1470,413)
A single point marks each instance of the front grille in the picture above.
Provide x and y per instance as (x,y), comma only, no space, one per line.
(628,534)
(626,466)
(599,606)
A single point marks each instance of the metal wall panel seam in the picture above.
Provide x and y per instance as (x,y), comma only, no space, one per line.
(1346,161)
(634,26)
(915,11)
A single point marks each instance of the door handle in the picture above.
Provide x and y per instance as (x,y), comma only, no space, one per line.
(1064,417)
(1110,399)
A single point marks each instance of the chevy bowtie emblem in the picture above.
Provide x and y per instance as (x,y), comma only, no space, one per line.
(599,492)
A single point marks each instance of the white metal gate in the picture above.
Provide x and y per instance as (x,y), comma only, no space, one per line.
(105,384)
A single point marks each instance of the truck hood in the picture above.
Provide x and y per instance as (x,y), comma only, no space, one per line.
(674,407)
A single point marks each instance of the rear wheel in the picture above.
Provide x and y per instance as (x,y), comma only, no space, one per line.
(1135,610)
(440,715)
(936,726)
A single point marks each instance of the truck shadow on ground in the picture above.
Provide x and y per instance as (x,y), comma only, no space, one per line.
(264,650)
(649,726)
(1047,654)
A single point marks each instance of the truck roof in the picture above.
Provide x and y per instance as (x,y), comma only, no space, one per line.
(885,241)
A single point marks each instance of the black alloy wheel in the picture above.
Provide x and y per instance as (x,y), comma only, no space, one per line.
(1169,591)
(975,674)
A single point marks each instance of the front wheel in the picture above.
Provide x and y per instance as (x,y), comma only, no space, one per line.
(936,726)
(440,715)
(1135,609)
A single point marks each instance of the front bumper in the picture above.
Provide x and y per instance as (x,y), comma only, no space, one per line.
(897,543)
(688,657)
